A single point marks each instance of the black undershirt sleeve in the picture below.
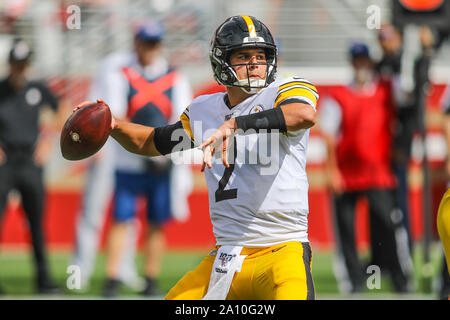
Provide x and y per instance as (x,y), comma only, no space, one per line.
(172,138)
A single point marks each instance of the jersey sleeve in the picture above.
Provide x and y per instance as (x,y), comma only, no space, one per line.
(186,122)
(296,89)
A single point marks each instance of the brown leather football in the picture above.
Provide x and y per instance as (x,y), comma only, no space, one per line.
(86,131)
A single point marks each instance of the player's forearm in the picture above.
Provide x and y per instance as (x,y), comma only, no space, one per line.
(135,138)
(298,116)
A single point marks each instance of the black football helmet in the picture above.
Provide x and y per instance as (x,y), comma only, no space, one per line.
(240,32)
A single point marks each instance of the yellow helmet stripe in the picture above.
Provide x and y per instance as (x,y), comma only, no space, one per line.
(250,26)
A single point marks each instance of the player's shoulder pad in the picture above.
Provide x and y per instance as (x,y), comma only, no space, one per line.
(296,88)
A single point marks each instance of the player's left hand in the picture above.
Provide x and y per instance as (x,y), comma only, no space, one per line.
(222,137)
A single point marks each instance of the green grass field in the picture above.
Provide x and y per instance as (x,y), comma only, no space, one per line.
(17,275)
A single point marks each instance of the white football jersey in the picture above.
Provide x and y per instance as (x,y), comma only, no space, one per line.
(262,199)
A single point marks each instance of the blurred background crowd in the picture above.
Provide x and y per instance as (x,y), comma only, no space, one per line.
(407,44)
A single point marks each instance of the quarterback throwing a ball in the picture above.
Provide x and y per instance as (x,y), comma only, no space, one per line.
(258,204)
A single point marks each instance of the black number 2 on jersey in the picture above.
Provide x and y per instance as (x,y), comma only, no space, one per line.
(221,193)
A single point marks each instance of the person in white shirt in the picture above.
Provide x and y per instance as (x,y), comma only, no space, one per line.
(140,86)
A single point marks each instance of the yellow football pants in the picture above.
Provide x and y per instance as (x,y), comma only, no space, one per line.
(443,224)
(280,272)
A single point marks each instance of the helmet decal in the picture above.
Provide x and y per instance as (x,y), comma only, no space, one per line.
(250,26)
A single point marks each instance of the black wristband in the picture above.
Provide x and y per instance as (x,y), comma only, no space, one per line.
(163,139)
(272,119)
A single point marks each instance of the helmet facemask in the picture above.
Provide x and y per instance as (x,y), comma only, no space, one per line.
(249,85)
(226,75)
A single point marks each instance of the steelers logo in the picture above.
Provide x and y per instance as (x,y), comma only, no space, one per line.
(75,136)
(256,109)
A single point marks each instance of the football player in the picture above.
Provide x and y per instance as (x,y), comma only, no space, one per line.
(258,201)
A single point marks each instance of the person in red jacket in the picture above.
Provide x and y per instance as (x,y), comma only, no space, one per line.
(357,121)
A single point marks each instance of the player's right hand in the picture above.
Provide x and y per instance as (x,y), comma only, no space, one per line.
(81,105)
(86,103)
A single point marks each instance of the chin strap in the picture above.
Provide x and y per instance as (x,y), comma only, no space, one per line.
(251,86)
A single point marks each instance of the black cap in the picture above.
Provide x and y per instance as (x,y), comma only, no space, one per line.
(20,51)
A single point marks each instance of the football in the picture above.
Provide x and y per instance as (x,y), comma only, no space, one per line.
(86,131)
